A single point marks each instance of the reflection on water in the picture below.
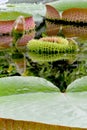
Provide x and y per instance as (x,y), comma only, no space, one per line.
(60,69)
(66,30)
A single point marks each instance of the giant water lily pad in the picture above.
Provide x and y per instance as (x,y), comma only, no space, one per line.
(73,12)
(37,10)
(62,5)
(17,85)
(7,19)
(12,15)
(55,108)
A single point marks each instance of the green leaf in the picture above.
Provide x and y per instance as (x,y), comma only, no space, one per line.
(45,105)
(79,85)
(37,10)
(62,5)
(12,15)
(19,85)
(50,108)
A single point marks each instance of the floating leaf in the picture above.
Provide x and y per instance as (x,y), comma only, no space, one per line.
(17,85)
(37,10)
(62,5)
(42,109)
(11,15)
(52,13)
(75,14)
(71,15)
(7,20)
(78,85)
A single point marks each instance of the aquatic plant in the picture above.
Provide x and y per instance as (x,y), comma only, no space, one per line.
(74,12)
(63,5)
(22,96)
(52,45)
(7,19)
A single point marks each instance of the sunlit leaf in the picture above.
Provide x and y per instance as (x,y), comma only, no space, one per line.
(7,19)
(79,85)
(62,5)
(37,10)
(72,11)
(18,85)
(75,14)
(46,105)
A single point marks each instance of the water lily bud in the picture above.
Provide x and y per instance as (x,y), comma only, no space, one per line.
(19,24)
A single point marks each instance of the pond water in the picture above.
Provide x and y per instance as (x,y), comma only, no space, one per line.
(61,69)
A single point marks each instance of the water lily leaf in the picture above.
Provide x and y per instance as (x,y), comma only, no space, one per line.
(62,5)
(37,10)
(48,107)
(24,125)
(7,19)
(79,85)
(19,85)
(75,14)
(72,12)
(12,15)
(52,12)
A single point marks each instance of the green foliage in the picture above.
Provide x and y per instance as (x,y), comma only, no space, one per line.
(12,85)
(11,15)
(37,10)
(79,85)
(62,5)
(36,99)
(43,105)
